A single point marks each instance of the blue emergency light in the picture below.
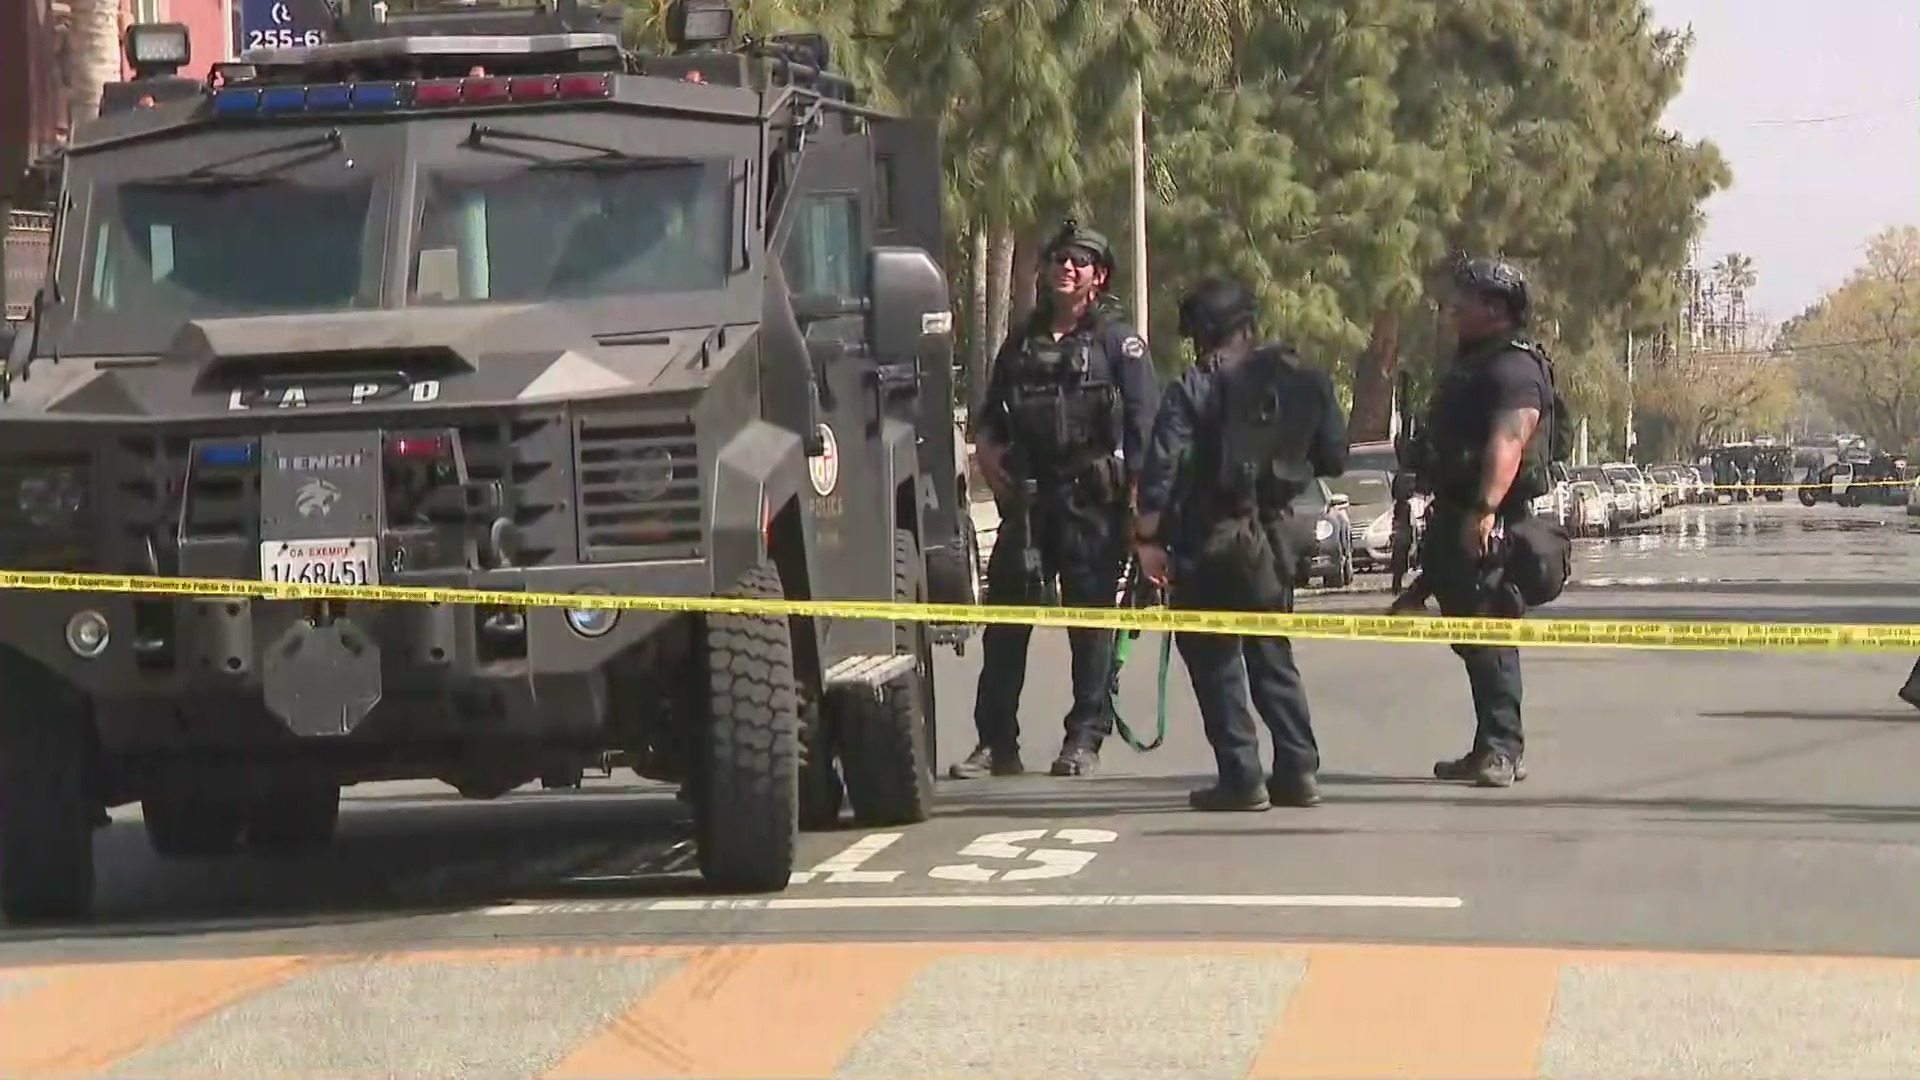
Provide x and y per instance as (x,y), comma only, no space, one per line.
(224,455)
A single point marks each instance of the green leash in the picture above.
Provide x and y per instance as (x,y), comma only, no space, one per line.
(1122,646)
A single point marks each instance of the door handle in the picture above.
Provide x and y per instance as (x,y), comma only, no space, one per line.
(891,380)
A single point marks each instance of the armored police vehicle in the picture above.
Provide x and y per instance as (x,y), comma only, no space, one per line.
(477,299)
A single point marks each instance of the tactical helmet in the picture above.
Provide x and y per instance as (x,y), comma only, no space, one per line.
(1214,309)
(1498,279)
(1072,235)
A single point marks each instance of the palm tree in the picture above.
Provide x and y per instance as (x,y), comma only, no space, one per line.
(1735,275)
(93,52)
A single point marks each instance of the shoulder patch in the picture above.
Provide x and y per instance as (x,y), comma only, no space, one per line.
(1133,347)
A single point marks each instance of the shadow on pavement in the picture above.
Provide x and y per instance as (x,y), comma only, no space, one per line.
(389,861)
(1133,796)
(1845,716)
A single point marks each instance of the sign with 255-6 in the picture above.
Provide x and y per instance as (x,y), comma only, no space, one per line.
(283,24)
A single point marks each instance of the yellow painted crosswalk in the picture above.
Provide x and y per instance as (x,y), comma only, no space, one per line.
(837,1011)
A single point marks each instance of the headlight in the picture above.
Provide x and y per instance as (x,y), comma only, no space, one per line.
(591,622)
(1323,529)
(650,475)
(52,497)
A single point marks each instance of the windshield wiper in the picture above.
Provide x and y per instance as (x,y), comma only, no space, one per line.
(607,157)
(487,131)
(210,175)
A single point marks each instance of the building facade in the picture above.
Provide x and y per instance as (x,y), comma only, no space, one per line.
(35,59)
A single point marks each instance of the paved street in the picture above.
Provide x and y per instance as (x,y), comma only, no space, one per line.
(1712,871)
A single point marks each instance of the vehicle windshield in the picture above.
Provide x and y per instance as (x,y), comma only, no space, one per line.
(173,251)
(1592,473)
(570,230)
(1367,488)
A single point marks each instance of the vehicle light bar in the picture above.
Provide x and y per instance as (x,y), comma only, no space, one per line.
(430,93)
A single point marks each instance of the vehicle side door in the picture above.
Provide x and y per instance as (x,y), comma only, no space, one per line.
(907,212)
(825,263)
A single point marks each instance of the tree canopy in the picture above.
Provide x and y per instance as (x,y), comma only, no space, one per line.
(1858,348)
(1333,155)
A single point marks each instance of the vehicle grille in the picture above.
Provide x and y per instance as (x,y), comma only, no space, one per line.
(639,488)
(523,454)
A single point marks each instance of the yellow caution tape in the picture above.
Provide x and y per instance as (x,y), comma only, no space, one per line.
(1586,633)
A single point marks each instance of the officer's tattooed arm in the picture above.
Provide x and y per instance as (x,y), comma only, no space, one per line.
(1511,430)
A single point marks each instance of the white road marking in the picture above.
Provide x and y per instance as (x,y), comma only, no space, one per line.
(870,903)
(844,868)
(1054,862)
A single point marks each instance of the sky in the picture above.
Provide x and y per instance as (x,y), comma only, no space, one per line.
(1806,196)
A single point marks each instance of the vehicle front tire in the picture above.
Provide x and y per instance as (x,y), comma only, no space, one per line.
(47,802)
(887,742)
(747,780)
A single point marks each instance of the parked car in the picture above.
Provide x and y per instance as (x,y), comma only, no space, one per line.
(1646,503)
(1670,483)
(1593,511)
(1330,556)
(1557,503)
(1368,486)
(1703,487)
(1369,495)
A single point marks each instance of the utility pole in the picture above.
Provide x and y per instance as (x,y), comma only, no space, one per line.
(1630,438)
(1139,206)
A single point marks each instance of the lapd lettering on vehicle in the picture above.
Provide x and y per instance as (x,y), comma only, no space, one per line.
(424,392)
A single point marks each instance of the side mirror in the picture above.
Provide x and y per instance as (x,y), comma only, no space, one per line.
(1340,502)
(911,317)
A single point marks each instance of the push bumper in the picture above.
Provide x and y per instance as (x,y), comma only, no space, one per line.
(322,669)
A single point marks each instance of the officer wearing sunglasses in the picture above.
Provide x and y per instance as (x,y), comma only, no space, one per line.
(1068,410)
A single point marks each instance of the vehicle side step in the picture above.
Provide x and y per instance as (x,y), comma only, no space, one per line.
(872,672)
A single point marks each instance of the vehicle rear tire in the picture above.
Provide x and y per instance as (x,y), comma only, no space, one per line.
(295,820)
(887,742)
(1807,497)
(746,798)
(183,824)
(48,802)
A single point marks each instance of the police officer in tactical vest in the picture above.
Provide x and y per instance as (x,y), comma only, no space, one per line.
(1241,435)
(1068,408)
(1484,452)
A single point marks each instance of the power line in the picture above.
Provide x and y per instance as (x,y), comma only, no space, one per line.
(1807,121)
(1785,349)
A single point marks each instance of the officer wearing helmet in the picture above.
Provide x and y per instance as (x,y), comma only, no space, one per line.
(1238,437)
(1485,457)
(1068,409)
